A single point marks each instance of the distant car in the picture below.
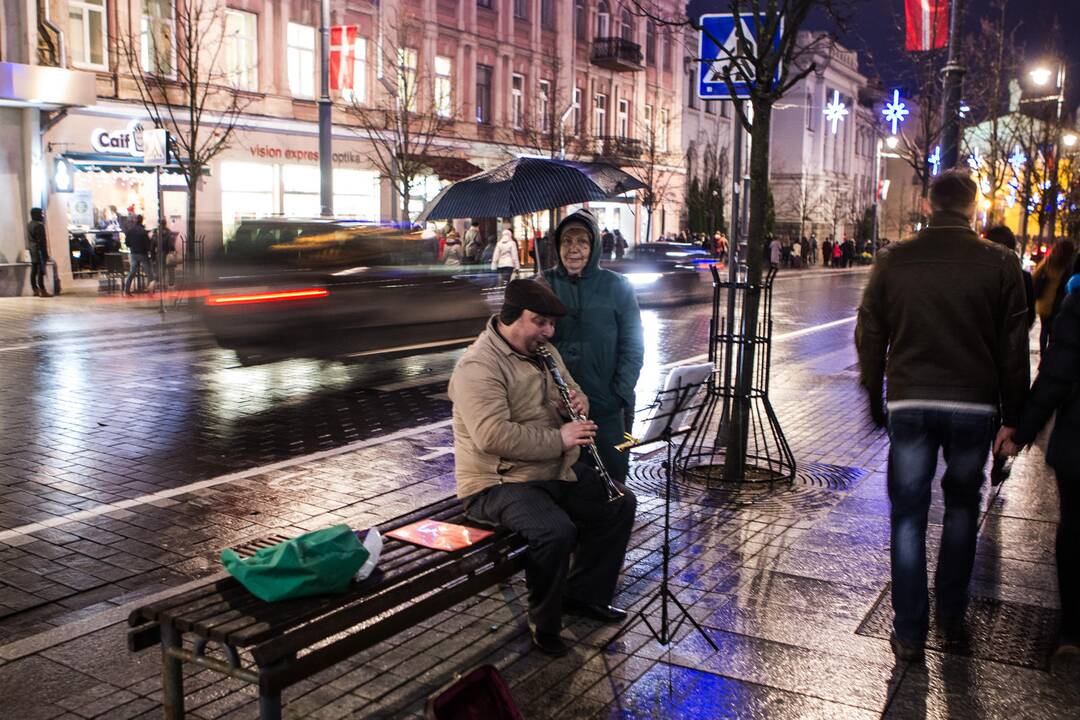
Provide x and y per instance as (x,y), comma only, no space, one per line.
(677,252)
(285,287)
(666,273)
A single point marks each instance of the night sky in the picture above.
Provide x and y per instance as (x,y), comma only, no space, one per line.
(877,34)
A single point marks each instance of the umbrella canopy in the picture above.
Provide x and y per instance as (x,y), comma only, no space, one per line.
(526,185)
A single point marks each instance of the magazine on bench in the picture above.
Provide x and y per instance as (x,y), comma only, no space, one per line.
(439,535)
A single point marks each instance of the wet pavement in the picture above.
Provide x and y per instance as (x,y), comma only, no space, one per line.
(134,450)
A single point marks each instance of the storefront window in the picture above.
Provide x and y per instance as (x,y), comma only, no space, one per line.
(157,37)
(356,194)
(86,32)
(301,60)
(241,49)
(247,191)
(300,186)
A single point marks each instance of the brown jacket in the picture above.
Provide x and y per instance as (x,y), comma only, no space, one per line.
(507,415)
(948,311)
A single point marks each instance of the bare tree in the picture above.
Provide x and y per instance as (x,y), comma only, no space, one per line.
(836,205)
(805,202)
(770,70)
(654,168)
(403,121)
(185,87)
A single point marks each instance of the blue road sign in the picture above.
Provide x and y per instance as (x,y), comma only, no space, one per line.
(716,58)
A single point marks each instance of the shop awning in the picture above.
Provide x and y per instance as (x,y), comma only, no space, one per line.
(45,87)
(104,162)
(450,169)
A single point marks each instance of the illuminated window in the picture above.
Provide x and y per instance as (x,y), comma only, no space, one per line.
(86,32)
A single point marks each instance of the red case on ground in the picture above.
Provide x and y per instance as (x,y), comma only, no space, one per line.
(479,694)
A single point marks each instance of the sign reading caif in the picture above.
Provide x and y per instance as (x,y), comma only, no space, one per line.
(719,44)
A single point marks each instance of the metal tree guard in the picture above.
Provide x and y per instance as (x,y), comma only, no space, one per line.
(703,454)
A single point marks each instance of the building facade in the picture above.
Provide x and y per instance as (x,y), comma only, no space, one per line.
(822,165)
(585,78)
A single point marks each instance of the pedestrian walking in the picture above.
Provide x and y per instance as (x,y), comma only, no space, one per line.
(138,242)
(796,254)
(826,252)
(37,242)
(1057,390)
(504,258)
(620,244)
(453,252)
(847,253)
(516,465)
(775,253)
(942,320)
(607,241)
(837,255)
(601,338)
(1004,236)
(473,244)
(1047,278)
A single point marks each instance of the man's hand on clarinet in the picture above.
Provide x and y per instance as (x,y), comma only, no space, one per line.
(577,404)
(577,433)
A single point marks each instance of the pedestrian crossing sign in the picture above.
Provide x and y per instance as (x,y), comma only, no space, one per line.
(720,54)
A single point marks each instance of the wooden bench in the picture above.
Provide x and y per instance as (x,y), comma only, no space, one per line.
(274,645)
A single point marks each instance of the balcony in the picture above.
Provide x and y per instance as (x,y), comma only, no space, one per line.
(615,148)
(617,54)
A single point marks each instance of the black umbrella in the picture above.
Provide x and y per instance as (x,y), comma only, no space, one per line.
(526,185)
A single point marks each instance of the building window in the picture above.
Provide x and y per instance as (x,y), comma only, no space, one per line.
(484,4)
(692,80)
(358,92)
(406,80)
(157,37)
(623,118)
(599,118)
(650,43)
(662,131)
(577,111)
(301,60)
(627,30)
(647,121)
(483,94)
(356,194)
(725,109)
(543,106)
(710,107)
(669,51)
(517,101)
(521,9)
(547,14)
(241,56)
(444,103)
(579,21)
(86,32)
(603,19)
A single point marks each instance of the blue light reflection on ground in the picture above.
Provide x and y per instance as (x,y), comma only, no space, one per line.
(671,691)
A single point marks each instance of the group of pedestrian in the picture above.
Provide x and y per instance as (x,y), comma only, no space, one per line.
(612,244)
(838,253)
(942,339)
(791,252)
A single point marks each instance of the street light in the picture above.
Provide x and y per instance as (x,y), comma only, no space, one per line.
(1069,140)
(1040,75)
(892,141)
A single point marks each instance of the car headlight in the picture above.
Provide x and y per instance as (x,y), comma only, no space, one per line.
(643,279)
(677,254)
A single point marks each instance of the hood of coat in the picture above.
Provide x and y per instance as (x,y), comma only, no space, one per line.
(586,218)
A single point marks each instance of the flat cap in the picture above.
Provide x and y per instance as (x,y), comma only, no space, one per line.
(534,296)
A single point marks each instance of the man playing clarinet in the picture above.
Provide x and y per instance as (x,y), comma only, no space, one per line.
(517,448)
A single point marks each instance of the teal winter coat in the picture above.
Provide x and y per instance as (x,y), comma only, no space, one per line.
(600,338)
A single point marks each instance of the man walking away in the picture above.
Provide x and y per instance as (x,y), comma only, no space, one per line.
(943,318)
(38,244)
(474,245)
(138,242)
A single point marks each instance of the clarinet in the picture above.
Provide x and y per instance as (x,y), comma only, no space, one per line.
(613,491)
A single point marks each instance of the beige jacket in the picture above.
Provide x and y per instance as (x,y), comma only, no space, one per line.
(507,415)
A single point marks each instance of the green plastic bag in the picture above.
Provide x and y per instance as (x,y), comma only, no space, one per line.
(323,561)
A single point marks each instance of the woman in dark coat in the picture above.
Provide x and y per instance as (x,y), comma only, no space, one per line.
(1057,388)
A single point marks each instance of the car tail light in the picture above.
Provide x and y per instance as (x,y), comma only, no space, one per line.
(266,297)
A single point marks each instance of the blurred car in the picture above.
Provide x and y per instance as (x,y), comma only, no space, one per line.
(336,289)
(666,273)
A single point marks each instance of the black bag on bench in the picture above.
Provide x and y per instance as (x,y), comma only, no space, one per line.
(480,694)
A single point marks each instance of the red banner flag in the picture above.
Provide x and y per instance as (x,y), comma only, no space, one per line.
(927,24)
(342,56)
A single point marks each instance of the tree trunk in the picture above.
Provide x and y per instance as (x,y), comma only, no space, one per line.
(735,456)
(189,242)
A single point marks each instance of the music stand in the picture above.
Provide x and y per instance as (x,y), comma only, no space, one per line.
(674,403)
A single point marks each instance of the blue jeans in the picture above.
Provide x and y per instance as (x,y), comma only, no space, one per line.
(138,260)
(915,435)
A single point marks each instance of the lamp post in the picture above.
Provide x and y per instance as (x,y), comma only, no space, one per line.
(954,80)
(326,168)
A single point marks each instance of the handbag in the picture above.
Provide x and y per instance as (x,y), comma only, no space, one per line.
(323,561)
(479,694)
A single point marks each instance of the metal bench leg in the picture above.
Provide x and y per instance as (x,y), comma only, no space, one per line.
(270,706)
(172,674)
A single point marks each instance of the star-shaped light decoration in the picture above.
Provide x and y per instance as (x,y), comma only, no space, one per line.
(974,160)
(835,111)
(895,112)
(1017,159)
(935,160)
